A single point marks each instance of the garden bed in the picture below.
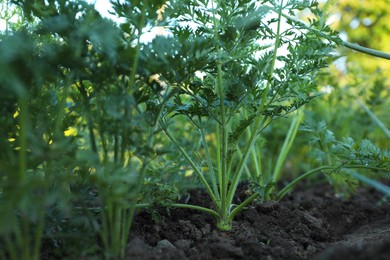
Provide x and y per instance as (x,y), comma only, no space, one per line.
(309,223)
(99,118)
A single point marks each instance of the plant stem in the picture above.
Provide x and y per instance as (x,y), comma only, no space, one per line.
(258,122)
(209,164)
(240,207)
(374,118)
(23,139)
(376,184)
(353,46)
(84,94)
(189,160)
(125,138)
(287,145)
(272,68)
(223,126)
(256,157)
(37,242)
(188,206)
(241,164)
(288,187)
(369,51)
(61,110)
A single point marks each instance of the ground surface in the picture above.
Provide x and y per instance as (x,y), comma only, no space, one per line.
(308,224)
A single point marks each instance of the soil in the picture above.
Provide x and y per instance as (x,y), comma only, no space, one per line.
(310,223)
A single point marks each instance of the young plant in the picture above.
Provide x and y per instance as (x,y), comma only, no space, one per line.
(33,156)
(226,61)
(341,159)
(74,85)
(118,124)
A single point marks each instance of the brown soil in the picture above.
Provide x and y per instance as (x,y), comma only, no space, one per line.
(308,224)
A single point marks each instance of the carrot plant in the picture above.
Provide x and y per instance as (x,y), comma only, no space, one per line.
(77,117)
(231,77)
(32,164)
(340,159)
(90,108)
(235,68)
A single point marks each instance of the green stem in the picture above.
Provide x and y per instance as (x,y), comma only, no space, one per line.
(203,209)
(369,51)
(258,122)
(218,154)
(38,235)
(26,239)
(189,160)
(129,213)
(125,138)
(256,158)
(288,187)
(224,143)
(324,147)
(247,170)
(104,234)
(84,94)
(201,103)
(209,163)
(127,219)
(104,144)
(352,46)
(61,111)
(223,127)
(116,142)
(241,164)
(276,47)
(240,207)
(374,118)
(374,183)
(287,145)
(23,139)
(123,215)
(255,155)
(116,240)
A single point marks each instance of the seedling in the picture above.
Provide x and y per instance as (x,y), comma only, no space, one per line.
(247,83)
(245,73)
